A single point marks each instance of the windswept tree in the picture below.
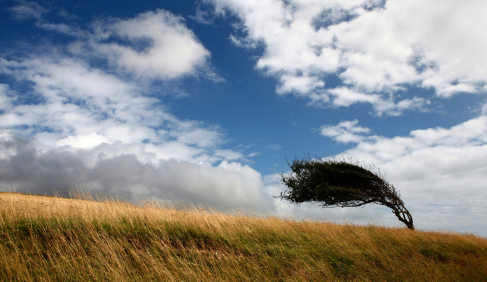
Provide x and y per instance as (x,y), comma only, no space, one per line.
(341,183)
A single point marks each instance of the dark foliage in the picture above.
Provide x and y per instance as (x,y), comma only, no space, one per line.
(341,183)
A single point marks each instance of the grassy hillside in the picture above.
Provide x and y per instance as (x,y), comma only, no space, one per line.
(56,239)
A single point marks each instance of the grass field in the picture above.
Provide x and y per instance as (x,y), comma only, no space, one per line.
(57,239)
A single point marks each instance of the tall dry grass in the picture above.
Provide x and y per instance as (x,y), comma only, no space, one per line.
(57,239)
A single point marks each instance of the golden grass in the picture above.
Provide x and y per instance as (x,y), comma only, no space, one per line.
(58,239)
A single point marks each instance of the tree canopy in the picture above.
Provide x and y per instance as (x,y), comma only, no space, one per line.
(341,183)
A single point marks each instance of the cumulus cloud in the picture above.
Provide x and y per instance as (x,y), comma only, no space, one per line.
(345,131)
(374,47)
(152,45)
(84,141)
(440,172)
(155,45)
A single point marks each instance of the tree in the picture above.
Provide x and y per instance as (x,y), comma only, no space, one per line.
(341,183)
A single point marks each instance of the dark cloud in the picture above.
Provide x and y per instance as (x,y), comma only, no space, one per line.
(25,168)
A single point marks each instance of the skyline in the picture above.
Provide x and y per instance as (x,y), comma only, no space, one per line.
(203,101)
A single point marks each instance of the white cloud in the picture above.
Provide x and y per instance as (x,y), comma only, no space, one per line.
(191,132)
(300,84)
(84,141)
(59,27)
(153,45)
(75,98)
(229,155)
(28,10)
(176,150)
(346,97)
(375,49)
(441,173)
(274,147)
(251,155)
(31,10)
(159,45)
(345,131)
(202,16)
(84,106)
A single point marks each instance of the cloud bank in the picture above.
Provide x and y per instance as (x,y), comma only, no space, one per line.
(376,48)
(117,169)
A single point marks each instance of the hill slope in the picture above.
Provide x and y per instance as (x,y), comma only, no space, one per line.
(57,239)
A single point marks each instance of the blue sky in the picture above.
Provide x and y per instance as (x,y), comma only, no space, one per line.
(204,100)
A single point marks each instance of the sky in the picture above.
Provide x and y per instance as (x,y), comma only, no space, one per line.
(203,101)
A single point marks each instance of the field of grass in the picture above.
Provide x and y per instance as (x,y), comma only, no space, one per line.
(57,239)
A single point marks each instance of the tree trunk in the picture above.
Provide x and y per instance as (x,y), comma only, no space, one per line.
(404,216)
